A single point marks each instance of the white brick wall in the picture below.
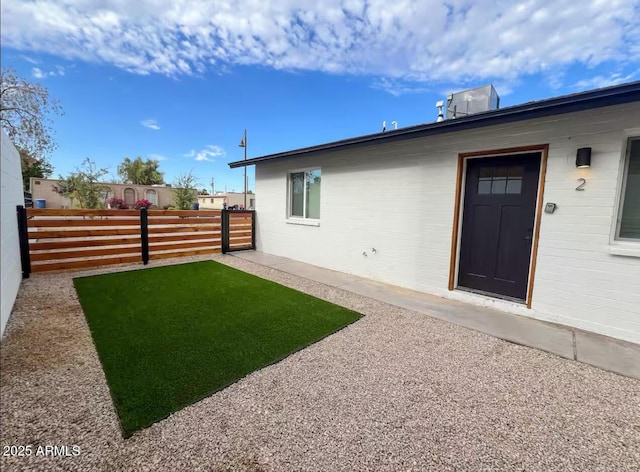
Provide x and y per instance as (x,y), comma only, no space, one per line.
(12,195)
(399,198)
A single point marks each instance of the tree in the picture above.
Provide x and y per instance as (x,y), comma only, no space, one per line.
(24,114)
(140,172)
(84,185)
(32,167)
(185,193)
(204,191)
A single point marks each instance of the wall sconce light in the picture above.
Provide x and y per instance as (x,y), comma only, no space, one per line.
(583,158)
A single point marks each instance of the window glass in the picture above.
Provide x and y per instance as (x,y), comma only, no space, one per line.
(313,194)
(630,202)
(516,171)
(484,186)
(500,172)
(499,185)
(297,194)
(129,196)
(304,191)
(486,172)
(484,180)
(514,185)
(151,196)
(500,180)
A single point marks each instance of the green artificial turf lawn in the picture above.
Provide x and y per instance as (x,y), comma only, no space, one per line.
(169,336)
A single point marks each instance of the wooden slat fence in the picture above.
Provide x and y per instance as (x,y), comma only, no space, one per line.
(54,239)
(75,239)
(184,233)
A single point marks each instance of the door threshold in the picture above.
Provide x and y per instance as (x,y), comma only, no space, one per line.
(499,296)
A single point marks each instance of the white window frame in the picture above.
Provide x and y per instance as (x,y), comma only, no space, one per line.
(294,219)
(623,246)
(146,195)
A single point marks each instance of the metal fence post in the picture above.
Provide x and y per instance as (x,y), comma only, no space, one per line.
(225,231)
(144,235)
(23,237)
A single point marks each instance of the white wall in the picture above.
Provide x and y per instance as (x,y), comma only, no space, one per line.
(12,195)
(399,198)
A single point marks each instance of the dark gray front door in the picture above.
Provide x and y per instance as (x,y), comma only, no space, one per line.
(497,224)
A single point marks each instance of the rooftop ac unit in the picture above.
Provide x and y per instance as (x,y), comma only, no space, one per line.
(472,101)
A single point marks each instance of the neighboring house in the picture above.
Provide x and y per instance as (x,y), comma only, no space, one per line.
(217,201)
(11,196)
(495,208)
(159,195)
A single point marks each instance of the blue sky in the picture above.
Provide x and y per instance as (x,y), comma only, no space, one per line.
(180,80)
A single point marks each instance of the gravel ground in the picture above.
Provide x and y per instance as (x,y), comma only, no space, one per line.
(397,390)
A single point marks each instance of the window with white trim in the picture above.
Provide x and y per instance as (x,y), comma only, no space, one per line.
(304,194)
(151,196)
(629,217)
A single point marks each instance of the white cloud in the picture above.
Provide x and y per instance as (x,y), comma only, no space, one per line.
(29,59)
(605,80)
(453,41)
(209,152)
(151,124)
(157,157)
(38,73)
(397,87)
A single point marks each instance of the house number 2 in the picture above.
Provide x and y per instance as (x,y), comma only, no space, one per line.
(582,184)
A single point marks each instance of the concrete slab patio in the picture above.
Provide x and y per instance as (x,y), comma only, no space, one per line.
(571,343)
(396,390)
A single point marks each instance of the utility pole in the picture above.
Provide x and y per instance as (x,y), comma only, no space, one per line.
(243,144)
(213,186)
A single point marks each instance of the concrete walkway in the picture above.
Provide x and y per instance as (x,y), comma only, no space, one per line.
(571,343)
